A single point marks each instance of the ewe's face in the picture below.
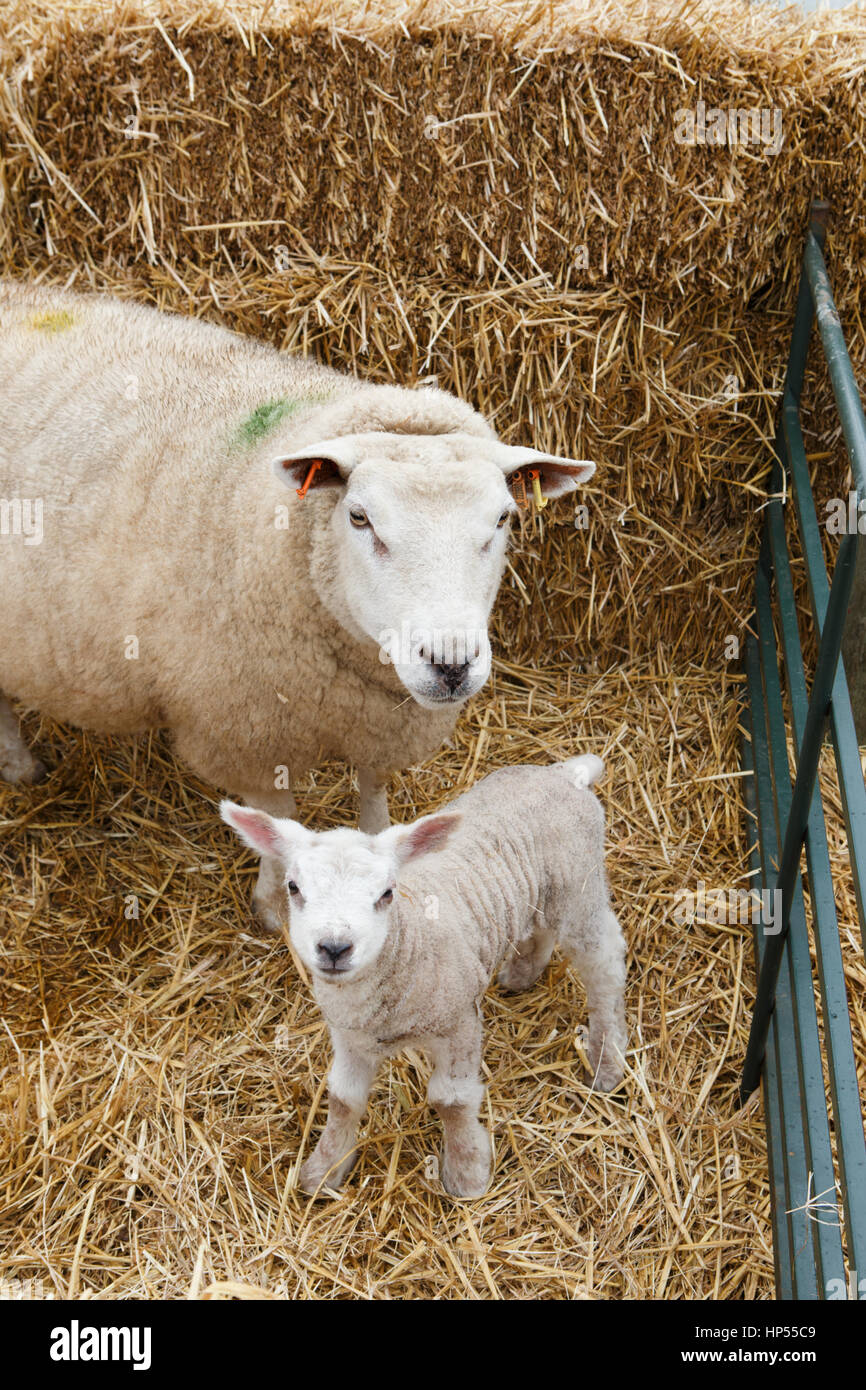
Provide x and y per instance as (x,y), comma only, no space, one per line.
(419,534)
(422,545)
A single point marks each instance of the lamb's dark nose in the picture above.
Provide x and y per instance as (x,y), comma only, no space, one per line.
(332,951)
(452,677)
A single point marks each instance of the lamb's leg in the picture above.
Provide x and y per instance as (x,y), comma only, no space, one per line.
(349,1081)
(373,787)
(269,902)
(522,967)
(456,1093)
(597,952)
(17,763)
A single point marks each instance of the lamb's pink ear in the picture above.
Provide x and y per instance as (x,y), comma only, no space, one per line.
(425,836)
(556,476)
(257,829)
(327,464)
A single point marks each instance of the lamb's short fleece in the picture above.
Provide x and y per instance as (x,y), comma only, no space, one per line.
(402,943)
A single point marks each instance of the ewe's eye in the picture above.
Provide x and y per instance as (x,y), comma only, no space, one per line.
(502,520)
(293,887)
(358,517)
(385,898)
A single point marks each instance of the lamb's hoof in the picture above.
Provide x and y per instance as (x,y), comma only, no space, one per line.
(315,1180)
(466,1175)
(458,1187)
(23,769)
(517,975)
(606,1077)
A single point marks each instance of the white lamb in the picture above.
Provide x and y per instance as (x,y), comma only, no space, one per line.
(402,948)
(156,572)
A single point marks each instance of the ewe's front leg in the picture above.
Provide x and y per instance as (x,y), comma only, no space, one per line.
(269,901)
(456,1093)
(373,787)
(349,1081)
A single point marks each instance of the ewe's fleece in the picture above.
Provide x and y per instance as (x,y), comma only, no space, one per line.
(148,438)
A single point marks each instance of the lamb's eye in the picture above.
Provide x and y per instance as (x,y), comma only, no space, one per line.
(385,898)
(358,517)
(292,887)
(502,520)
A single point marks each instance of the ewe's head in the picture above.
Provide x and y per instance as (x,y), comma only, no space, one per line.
(341,884)
(415,545)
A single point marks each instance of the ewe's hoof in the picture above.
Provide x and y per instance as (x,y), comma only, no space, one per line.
(23,769)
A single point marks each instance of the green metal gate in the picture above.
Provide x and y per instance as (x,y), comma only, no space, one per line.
(817,1154)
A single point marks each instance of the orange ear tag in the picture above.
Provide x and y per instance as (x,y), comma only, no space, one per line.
(540,502)
(302,491)
(519,492)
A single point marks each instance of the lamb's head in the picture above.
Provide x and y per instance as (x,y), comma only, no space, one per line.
(341,884)
(411,552)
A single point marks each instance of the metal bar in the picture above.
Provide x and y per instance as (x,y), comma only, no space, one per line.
(838,362)
(842,727)
(805,311)
(828,656)
(799,1271)
(809,1120)
(842,1067)
(784,1036)
(772,1092)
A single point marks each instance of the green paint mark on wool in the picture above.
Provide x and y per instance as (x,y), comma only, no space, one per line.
(266,417)
(263,419)
(51,322)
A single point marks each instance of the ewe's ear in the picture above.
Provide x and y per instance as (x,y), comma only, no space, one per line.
(327,464)
(257,829)
(556,476)
(428,834)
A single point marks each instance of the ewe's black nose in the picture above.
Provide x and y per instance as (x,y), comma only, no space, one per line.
(333,950)
(452,676)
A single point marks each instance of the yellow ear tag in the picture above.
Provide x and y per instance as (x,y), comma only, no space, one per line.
(540,502)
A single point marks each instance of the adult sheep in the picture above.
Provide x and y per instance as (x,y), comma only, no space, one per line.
(156,572)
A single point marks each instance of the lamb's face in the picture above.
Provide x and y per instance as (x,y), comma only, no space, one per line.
(341,891)
(417,545)
(341,884)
